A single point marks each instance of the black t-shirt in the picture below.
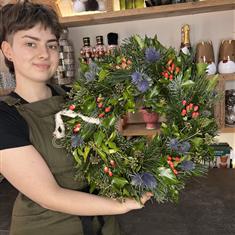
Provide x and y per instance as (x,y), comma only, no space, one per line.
(14,131)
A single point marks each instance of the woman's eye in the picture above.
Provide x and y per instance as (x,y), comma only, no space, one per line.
(31,44)
(53,47)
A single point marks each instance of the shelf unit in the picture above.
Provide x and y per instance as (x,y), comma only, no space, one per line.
(111,15)
(220,107)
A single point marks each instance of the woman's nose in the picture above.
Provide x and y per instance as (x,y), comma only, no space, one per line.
(43,52)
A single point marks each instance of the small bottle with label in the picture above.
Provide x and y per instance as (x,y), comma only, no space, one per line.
(99,50)
(86,51)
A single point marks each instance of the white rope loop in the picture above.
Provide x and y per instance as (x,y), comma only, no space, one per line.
(59,124)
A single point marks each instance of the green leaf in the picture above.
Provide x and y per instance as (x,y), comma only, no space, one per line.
(139,40)
(201,68)
(99,137)
(102,155)
(103,74)
(197,141)
(76,157)
(86,152)
(166,172)
(119,182)
(188,83)
(112,145)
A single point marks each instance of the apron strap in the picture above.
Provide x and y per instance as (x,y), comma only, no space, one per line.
(12,101)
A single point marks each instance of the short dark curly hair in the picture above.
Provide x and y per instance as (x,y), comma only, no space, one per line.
(23,16)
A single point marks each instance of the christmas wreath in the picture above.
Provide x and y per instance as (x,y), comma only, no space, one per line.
(141,73)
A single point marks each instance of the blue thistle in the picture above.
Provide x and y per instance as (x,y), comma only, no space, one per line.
(76,140)
(90,76)
(176,146)
(173,144)
(143,86)
(151,54)
(136,77)
(187,165)
(144,180)
(184,147)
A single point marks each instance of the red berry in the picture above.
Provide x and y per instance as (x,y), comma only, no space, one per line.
(166,75)
(177,70)
(77,127)
(108,109)
(173,66)
(72,107)
(106,169)
(188,108)
(112,162)
(169,158)
(171,77)
(184,102)
(110,173)
(170,62)
(177,159)
(175,172)
(191,105)
(100,105)
(195,108)
(101,115)
(183,112)
(195,114)
(99,99)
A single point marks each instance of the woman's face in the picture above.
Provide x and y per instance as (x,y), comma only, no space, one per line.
(34,53)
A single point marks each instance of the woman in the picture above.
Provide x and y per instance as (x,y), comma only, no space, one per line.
(50,200)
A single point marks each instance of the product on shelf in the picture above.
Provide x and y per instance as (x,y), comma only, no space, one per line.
(86,51)
(230,107)
(112,42)
(99,50)
(205,54)
(66,70)
(185,46)
(227,57)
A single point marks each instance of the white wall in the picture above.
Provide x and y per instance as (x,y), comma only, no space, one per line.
(214,26)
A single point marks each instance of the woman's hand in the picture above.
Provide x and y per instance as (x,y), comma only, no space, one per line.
(132,204)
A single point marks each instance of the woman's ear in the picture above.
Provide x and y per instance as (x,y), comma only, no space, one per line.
(7,50)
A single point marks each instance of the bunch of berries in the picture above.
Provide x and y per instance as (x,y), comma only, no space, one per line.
(124,64)
(108,170)
(189,110)
(171,70)
(170,162)
(103,109)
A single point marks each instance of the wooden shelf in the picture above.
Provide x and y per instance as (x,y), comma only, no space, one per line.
(220,107)
(180,9)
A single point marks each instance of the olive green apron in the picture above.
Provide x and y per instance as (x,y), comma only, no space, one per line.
(28,217)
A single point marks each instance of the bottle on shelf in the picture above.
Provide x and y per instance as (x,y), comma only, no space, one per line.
(86,51)
(112,42)
(185,46)
(99,50)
